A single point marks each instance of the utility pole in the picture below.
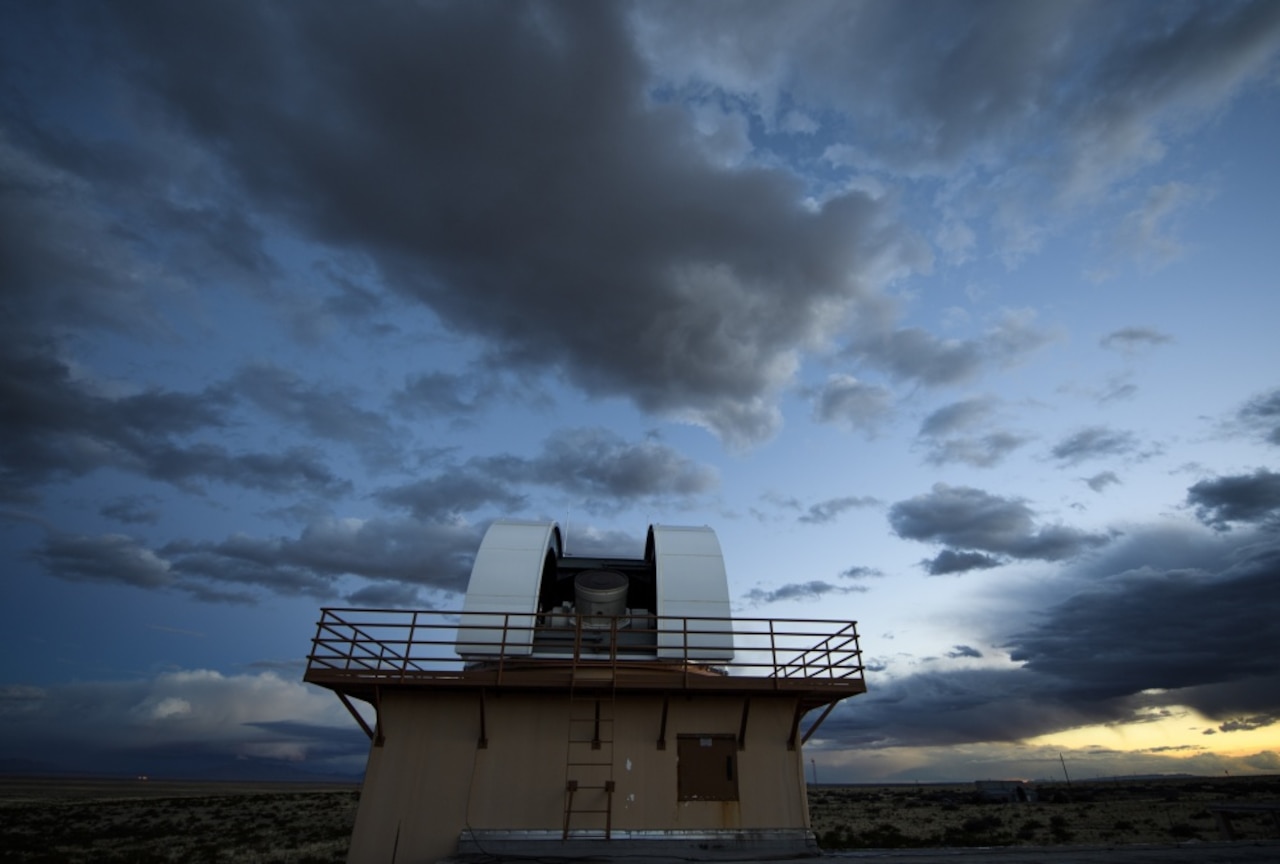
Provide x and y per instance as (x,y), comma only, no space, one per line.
(814,764)
(1064,770)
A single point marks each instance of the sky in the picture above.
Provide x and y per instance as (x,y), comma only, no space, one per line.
(956,319)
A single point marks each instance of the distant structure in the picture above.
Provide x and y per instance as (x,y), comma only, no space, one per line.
(1008,791)
(577,701)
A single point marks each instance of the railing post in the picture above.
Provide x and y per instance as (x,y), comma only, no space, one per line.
(684,632)
(408,647)
(502,646)
(577,645)
(773,655)
(613,648)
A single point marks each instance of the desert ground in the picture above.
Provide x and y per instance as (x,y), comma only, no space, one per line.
(70,821)
(1094,813)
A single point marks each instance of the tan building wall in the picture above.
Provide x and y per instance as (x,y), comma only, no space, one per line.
(429,780)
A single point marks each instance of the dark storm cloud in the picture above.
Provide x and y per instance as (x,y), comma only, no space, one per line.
(1262,414)
(1094,442)
(690,289)
(1238,498)
(846,401)
(185,723)
(1101,480)
(1200,627)
(963,651)
(57,426)
(827,511)
(949,561)
(1132,338)
(1139,622)
(813,590)
(956,706)
(962,517)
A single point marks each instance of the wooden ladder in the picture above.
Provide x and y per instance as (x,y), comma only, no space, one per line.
(588,787)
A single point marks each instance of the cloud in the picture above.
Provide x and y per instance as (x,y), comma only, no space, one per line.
(827,511)
(386,595)
(1146,233)
(180,723)
(1248,724)
(106,558)
(1133,338)
(949,561)
(448,394)
(940,433)
(602,466)
(1202,623)
(389,552)
(811,590)
(1262,414)
(860,572)
(452,493)
(957,416)
(1236,498)
(692,289)
(431,555)
(1207,601)
(132,510)
(912,354)
(962,517)
(324,412)
(974,89)
(984,451)
(59,426)
(1094,442)
(855,405)
(1100,481)
(963,651)
(600,469)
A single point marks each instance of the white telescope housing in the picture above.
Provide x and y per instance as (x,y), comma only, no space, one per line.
(527,598)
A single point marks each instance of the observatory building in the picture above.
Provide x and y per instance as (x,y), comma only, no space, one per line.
(577,701)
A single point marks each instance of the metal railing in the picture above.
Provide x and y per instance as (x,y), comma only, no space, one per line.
(390,644)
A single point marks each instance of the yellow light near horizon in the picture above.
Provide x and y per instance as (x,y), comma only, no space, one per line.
(1181,730)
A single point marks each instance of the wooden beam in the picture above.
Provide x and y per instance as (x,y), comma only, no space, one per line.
(595,733)
(351,709)
(816,724)
(795,726)
(662,728)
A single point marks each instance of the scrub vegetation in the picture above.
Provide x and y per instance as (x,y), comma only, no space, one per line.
(148,822)
(1122,811)
(83,821)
